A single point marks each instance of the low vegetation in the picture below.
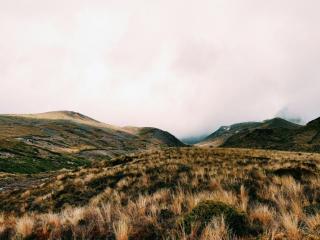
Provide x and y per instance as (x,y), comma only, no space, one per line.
(176,193)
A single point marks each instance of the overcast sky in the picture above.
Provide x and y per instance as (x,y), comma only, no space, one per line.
(186,66)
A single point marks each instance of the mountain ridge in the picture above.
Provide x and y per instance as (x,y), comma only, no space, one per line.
(54,140)
(276,133)
(221,135)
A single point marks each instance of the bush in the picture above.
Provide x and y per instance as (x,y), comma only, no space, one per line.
(147,232)
(205,211)
(312,209)
(7,233)
(297,173)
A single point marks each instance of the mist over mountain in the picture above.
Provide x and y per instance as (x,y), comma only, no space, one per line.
(290,116)
(188,70)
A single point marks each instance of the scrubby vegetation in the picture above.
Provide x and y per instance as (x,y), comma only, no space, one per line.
(177,193)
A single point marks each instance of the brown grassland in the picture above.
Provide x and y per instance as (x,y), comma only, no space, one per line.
(175,193)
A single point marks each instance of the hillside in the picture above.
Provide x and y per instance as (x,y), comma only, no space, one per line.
(55,140)
(223,133)
(279,123)
(176,193)
(271,134)
(300,138)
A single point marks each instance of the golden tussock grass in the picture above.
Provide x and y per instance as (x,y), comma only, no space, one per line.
(150,196)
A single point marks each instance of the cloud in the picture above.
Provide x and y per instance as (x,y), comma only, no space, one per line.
(184,66)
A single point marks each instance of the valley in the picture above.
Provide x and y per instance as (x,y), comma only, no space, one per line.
(67,176)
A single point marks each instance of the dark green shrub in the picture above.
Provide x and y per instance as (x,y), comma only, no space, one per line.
(66,233)
(312,209)
(147,232)
(165,215)
(205,211)
(297,173)
(7,233)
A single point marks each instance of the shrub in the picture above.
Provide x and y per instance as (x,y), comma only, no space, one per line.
(297,173)
(312,209)
(6,232)
(147,232)
(205,211)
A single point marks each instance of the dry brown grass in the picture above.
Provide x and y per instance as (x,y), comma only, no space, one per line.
(290,224)
(121,229)
(24,226)
(264,215)
(147,195)
(216,230)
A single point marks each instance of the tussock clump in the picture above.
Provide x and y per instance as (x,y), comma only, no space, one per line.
(24,226)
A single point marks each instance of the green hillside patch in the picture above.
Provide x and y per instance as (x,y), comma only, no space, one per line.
(29,164)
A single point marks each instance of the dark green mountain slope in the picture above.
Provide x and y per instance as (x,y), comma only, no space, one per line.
(223,133)
(280,136)
(220,136)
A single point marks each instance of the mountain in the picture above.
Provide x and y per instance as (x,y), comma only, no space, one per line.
(223,133)
(220,136)
(251,134)
(50,141)
(159,137)
(308,137)
(279,123)
(279,135)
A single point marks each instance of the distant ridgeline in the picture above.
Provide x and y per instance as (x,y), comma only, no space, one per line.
(276,134)
(33,143)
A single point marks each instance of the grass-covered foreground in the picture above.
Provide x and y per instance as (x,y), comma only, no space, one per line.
(178,193)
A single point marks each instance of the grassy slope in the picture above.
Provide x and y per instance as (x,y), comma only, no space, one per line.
(26,146)
(37,143)
(147,195)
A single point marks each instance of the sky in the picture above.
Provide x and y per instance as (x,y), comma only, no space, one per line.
(186,66)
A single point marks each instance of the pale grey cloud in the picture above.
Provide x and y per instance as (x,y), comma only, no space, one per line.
(185,66)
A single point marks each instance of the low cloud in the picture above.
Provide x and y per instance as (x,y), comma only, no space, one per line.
(184,66)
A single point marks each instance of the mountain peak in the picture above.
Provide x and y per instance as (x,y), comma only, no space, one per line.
(279,122)
(60,115)
(314,123)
